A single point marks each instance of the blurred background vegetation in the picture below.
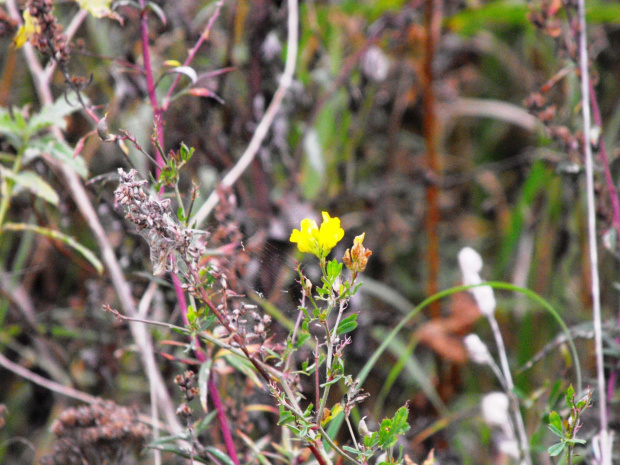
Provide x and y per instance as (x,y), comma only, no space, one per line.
(419,130)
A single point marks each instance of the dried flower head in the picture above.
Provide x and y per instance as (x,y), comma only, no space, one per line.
(98,433)
(356,258)
(42,29)
(155,223)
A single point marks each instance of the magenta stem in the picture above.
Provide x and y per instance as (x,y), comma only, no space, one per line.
(615,206)
(613,192)
(192,53)
(212,388)
(157,120)
(150,83)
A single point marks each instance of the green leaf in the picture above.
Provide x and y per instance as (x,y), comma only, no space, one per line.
(391,428)
(285,416)
(203,383)
(57,235)
(555,424)
(60,151)
(52,115)
(12,129)
(575,441)
(347,325)
(570,396)
(218,454)
(244,366)
(371,440)
(333,269)
(31,182)
(556,449)
(205,422)
(185,152)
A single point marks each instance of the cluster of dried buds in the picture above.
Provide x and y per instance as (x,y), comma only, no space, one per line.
(258,324)
(97,433)
(538,105)
(186,384)
(244,321)
(48,37)
(165,235)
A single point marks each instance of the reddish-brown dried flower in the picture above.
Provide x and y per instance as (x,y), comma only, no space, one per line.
(48,37)
(356,258)
(97,433)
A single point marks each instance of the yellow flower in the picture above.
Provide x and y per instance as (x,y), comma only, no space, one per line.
(317,241)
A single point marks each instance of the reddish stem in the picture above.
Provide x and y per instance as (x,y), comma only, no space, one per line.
(157,117)
(611,187)
(433,32)
(192,53)
(615,206)
(212,388)
(150,83)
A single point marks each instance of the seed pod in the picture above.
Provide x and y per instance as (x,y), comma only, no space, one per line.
(363,428)
(316,329)
(103,131)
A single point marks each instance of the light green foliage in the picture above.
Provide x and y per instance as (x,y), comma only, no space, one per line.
(174,161)
(566,429)
(26,135)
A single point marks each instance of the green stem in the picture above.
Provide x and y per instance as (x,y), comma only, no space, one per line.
(7,187)
(335,425)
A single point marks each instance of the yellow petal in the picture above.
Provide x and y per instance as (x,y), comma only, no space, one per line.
(305,239)
(330,233)
(26,30)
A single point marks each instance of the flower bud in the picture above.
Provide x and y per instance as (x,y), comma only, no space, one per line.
(471,265)
(307,285)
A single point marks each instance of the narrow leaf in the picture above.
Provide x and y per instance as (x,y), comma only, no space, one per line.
(347,325)
(556,449)
(155,8)
(203,383)
(32,182)
(57,235)
(186,70)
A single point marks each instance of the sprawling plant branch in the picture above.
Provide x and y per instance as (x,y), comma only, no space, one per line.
(81,199)
(596,298)
(263,127)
